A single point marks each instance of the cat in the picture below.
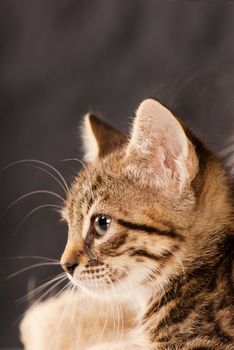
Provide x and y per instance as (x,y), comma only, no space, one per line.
(150,244)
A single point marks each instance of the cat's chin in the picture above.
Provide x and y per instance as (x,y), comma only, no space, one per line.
(133,297)
(99,291)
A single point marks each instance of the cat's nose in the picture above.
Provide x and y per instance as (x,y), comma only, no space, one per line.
(70,266)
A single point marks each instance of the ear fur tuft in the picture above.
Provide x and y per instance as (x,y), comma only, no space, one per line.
(99,138)
(90,145)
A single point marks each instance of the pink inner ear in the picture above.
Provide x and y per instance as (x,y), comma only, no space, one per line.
(160,142)
(155,127)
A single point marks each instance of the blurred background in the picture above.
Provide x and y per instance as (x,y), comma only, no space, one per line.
(60,59)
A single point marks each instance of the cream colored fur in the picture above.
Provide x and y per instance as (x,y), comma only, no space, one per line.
(74,321)
(90,144)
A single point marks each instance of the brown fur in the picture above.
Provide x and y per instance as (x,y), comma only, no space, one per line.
(176,231)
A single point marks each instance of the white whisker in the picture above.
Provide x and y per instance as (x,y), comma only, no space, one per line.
(62,279)
(32,212)
(37,162)
(61,276)
(119,310)
(86,170)
(135,306)
(51,175)
(32,267)
(31,257)
(62,314)
(28,195)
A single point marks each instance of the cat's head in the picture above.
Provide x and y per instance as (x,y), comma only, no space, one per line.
(140,207)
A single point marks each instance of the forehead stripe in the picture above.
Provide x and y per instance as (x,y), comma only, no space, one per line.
(146,254)
(91,193)
(149,229)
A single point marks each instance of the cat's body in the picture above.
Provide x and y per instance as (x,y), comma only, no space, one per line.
(150,245)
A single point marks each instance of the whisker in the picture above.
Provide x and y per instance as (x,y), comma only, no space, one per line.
(68,285)
(30,257)
(62,316)
(31,294)
(38,289)
(50,290)
(38,162)
(106,315)
(86,170)
(50,174)
(32,267)
(100,315)
(81,313)
(33,211)
(180,262)
(125,288)
(116,333)
(28,195)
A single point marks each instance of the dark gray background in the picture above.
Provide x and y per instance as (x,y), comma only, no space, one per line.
(59,59)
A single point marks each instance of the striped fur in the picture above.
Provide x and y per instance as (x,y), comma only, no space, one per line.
(168,253)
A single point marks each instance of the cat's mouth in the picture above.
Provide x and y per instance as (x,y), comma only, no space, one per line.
(98,278)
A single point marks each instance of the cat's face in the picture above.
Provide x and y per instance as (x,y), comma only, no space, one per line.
(118,234)
(130,209)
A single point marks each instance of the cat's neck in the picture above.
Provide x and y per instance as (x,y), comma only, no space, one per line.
(202,274)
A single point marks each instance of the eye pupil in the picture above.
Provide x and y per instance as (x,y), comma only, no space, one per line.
(102,223)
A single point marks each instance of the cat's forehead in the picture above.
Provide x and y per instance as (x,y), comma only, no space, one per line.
(95,182)
(101,174)
(105,184)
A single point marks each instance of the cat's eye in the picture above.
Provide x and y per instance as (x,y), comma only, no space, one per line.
(102,224)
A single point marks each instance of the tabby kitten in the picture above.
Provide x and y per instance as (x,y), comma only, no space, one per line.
(150,244)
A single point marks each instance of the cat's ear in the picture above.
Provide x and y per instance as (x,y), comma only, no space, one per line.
(159,152)
(98,138)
